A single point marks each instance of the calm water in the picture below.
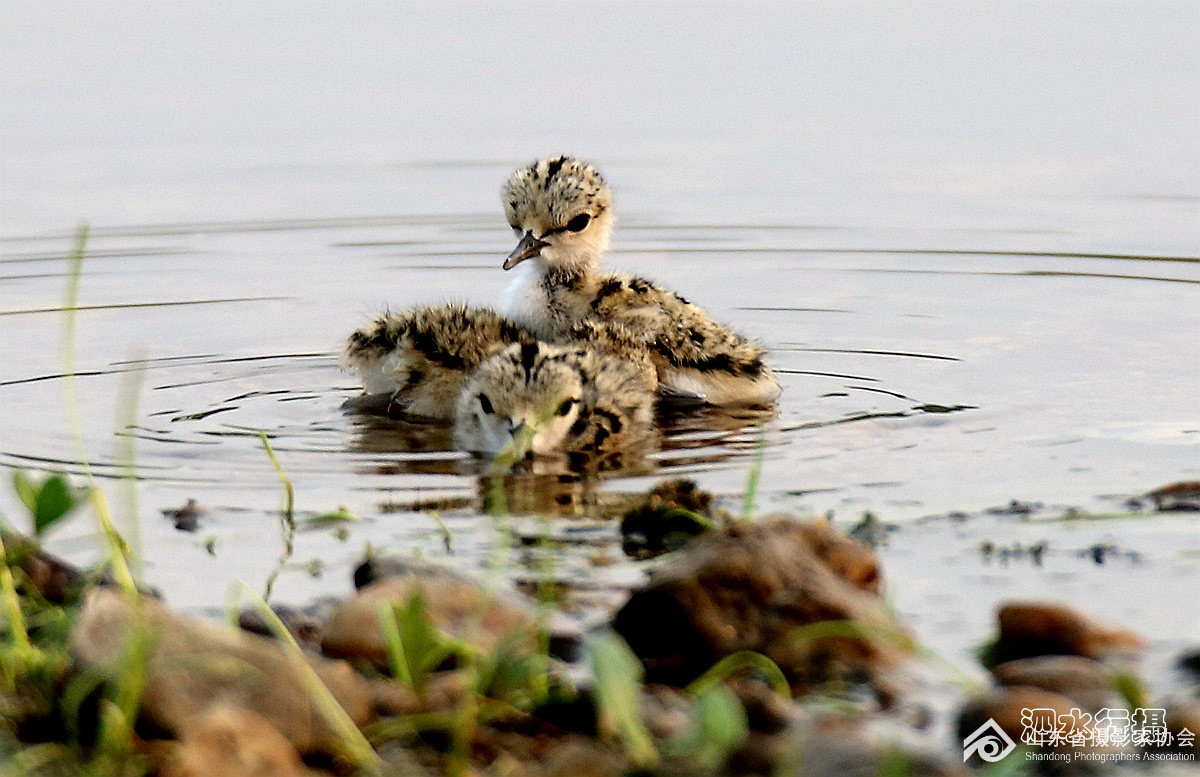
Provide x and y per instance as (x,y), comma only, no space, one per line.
(968,236)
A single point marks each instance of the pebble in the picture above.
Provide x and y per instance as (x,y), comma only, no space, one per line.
(195,667)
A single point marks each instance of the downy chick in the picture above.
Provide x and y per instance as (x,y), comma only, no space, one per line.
(562,211)
(552,399)
(417,360)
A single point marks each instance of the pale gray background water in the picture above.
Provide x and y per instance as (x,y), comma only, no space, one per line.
(994,205)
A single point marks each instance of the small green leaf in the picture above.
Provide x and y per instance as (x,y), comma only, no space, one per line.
(54,501)
(26,489)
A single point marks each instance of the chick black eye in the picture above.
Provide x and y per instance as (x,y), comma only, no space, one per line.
(565,407)
(486,404)
(580,222)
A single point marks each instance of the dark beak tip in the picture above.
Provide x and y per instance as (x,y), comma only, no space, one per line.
(529,247)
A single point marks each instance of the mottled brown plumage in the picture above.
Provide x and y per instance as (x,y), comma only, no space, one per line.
(419,358)
(551,399)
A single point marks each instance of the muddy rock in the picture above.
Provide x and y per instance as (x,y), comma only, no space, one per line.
(306,629)
(1029,629)
(1189,661)
(232,742)
(1183,724)
(848,558)
(195,667)
(1007,707)
(749,587)
(766,711)
(442,691)
(454,604)
(1083,680)
(847,747)
(54,578)
(576,756)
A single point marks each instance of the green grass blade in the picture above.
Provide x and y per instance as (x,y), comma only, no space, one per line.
(287,517)
(618,678)
(754,476)
(357,749)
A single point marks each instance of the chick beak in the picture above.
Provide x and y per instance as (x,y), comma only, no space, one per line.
(528,247)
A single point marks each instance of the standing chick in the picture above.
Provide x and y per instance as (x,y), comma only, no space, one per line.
(561,209)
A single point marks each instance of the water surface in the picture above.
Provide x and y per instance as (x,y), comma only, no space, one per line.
(969,238)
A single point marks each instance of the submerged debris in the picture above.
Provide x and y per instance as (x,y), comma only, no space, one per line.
(186,518)
(671,515)
(1017,507)
(1177,496)
(1017,551)
(872,531)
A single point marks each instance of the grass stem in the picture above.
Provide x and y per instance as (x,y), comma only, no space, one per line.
(354,744)
(755,475)
(287,516)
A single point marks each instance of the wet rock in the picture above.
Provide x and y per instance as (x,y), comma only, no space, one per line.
(749,587)
(848,558)
(1029,629)
(1189,662)
(306,629)
(442,691)
(1085,681)
(766,711)
(1020,710)
(845,747)
(54,578)
(672,515)
(1177,496)
(232,742)
(195,667)
(453,604)
(1183,723)
(575,756)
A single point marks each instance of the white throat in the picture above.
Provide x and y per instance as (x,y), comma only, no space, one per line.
(524,300)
